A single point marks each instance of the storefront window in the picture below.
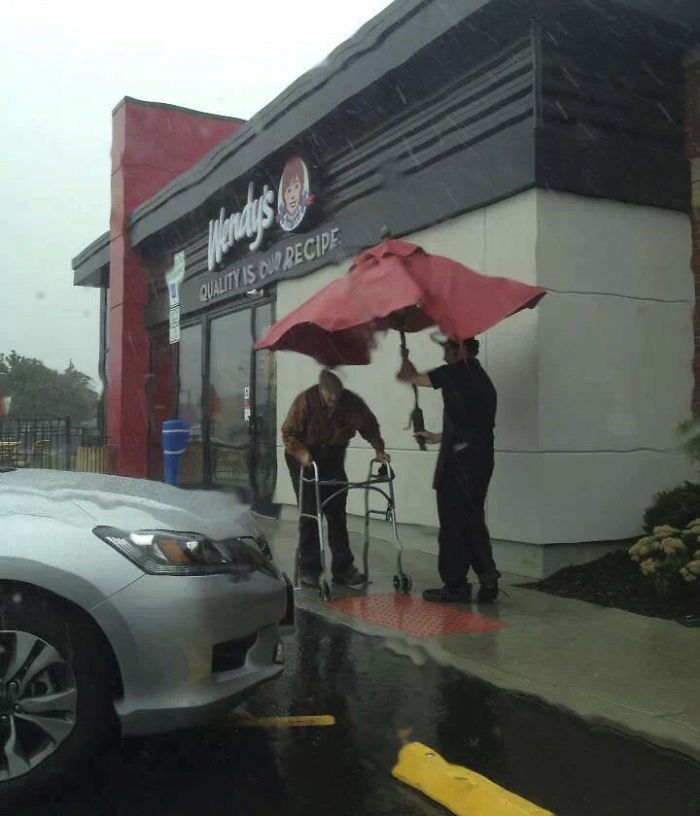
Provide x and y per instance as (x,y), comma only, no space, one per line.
(233,420)
(264,411)
(229,400)
(190,392)
(190,402)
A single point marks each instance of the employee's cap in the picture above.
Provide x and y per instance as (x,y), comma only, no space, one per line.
(443,340)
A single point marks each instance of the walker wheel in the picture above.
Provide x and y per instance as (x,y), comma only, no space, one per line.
(324,590)
(406,584)
(397,583)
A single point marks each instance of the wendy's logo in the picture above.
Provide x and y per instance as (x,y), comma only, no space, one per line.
(294,196)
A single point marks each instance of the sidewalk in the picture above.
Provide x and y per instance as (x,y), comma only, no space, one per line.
(610,667)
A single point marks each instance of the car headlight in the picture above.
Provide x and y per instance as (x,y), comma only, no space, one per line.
(165,552)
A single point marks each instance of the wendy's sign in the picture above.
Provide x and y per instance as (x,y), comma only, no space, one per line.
(287,259)
(272,237)
(250,224)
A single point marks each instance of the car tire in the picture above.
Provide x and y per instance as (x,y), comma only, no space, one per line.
(56,693)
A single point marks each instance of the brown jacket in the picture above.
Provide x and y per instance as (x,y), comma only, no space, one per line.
(309,425)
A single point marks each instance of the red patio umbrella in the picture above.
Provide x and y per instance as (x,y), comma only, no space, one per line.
(396,285)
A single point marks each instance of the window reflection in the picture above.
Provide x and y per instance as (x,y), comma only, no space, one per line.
(190,403)
(230,400)
(190,396)
(265,413)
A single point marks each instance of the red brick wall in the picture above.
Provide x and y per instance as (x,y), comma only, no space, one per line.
(151,145)
(693,153)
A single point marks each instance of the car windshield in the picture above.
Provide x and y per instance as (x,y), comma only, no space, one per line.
(349,407)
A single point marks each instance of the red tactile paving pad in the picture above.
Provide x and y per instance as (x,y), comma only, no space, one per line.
(414,616)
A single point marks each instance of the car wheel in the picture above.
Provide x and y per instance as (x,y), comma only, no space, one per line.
(55,692)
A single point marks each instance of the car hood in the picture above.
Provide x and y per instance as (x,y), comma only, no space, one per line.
(88,499)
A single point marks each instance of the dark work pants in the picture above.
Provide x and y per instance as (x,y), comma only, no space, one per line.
(331,465)
(464,538)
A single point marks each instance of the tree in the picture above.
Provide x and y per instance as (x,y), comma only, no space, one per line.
(39,391)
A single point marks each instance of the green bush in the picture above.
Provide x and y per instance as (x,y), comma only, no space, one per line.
(676,507)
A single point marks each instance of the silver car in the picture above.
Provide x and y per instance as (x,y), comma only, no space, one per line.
(124,600)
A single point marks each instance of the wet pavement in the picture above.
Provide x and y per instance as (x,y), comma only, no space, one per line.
(613,668)
(379,700)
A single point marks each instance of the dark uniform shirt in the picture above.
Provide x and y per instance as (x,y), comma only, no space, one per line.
(469,415)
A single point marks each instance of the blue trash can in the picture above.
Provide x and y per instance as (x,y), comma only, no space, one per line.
(176,436)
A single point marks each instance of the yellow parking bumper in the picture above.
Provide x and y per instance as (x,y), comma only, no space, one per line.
(460,790)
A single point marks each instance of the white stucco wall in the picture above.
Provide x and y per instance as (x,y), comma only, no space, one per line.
(591,384)
(615,344)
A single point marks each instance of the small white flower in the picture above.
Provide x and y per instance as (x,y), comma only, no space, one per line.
(673,545)
(649,566)
(664,530)
(694,567)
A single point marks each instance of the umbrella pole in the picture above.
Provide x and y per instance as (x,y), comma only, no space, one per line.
(417,421)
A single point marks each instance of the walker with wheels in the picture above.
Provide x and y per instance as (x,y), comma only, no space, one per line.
(380,479)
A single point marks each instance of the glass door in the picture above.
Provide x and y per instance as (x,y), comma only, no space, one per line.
(215,381)
(229,402)
(241,406)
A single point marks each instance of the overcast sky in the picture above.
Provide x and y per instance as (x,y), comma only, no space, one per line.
(64,67)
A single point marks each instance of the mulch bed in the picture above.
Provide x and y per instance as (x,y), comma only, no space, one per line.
(615,580)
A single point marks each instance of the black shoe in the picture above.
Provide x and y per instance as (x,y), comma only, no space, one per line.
(310,580)
(350,578)
(444,594)
(488,589)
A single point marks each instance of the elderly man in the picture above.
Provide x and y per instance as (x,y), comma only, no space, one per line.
(463,472)
(320,424)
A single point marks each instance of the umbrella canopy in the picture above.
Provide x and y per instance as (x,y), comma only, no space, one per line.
(396,285)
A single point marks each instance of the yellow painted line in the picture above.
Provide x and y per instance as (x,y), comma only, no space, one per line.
(301,721)
(460,790)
